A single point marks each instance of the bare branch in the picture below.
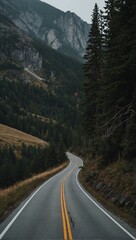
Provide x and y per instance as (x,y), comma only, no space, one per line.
(122,116)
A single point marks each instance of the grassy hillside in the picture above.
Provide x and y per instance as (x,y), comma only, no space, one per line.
(22,155)
(13,137)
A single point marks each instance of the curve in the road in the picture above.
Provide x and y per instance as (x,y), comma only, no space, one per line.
(122,228)
(20,211)
(62,209)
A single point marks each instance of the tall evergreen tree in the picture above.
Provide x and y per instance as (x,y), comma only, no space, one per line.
(109,94)
(110,87)
(92,70)
(128,71)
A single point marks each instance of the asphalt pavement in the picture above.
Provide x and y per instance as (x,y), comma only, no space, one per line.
(62,209)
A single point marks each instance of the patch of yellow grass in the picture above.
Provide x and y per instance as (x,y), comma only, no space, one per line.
(14,137)
(12,196)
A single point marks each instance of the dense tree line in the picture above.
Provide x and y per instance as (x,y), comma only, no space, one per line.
(21,104)
(110,88)
(32,160)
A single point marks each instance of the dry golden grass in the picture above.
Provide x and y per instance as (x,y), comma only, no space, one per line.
(12,196)
(14,137)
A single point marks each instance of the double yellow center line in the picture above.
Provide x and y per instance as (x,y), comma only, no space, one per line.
(65,218)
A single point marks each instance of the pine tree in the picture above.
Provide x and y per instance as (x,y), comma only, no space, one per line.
(92,70)
(128,66)
(108,95)
(116,98)
(110,86)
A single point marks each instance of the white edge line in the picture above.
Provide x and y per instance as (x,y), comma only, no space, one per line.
(19,212)
(128,233)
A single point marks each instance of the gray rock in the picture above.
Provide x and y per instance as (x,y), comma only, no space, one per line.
(17,47)
(58,29)
(99,186)
(122,201)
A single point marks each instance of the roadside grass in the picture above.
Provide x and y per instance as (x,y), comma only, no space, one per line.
(124,182)
(12,196)
(13,137)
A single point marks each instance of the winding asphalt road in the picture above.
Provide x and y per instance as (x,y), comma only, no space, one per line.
(62,209)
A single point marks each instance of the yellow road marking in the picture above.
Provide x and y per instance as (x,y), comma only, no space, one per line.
(65,218)
(69,173)
(66,215)
(63,215)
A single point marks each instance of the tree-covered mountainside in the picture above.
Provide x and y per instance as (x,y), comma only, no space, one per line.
(110,86)
(48,107)
(51,116)
(56,98)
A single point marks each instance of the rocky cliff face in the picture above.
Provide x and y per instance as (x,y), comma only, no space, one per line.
(75,31)
(62,31)
(16,46)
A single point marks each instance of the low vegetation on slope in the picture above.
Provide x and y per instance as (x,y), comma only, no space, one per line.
(21,104)
(23,98)
(12,196)
(22,155)
(114,185)
(13,137)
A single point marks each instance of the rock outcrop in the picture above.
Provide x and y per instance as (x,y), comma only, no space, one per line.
(65,32)
(16,46)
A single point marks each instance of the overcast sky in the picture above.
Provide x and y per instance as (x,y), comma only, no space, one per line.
(83,8)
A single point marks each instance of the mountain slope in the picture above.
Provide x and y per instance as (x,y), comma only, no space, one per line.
(16,47)
(13,137)
(62,31)
(25,102)
(23,98)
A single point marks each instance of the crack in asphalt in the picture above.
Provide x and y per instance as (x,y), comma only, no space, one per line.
(71,220)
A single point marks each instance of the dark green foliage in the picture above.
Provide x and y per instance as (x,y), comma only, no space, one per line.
(63,66)
(114,100)
(19,101)
(92,72)
(32,161)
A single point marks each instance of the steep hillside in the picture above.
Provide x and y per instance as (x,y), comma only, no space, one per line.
(113,185)
(40,91)
(22,103)
(22,156)
(23,97)
(16,47)
(54,95)
(12,137)
(65,32)
(18,50)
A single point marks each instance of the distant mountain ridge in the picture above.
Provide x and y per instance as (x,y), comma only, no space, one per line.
(65,32)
